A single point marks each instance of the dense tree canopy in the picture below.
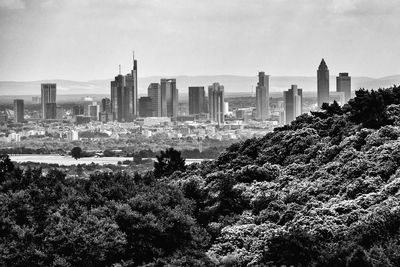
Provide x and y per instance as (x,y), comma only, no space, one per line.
(168,162)
(322,191)
(76,152)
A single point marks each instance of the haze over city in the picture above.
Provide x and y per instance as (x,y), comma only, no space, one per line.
(85,40)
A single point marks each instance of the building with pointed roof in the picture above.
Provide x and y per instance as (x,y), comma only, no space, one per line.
(322,83)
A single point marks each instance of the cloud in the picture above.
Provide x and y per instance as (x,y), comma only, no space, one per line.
(12,4)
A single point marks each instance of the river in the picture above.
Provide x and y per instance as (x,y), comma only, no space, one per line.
(68,160)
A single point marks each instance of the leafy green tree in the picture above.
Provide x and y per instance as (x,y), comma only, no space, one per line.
(6,166)
(368,107)
(76,152)
(168,162)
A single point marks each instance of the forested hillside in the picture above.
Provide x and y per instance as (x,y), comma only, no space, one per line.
(323,191)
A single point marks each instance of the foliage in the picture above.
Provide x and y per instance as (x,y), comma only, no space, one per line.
(168,162)
(48,220)
(322,191)
(76,152)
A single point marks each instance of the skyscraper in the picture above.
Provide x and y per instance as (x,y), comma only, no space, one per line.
(323,83)
(135,84)
(18,110)
(216,103)
(94,111)
(154,92)
(48,93)
(293,103)
(262,96)
(196,100)
(169,98)
(117,97)
(87,101)
(343,84)
(105,113)
(145,107)
(124,101)
(77,110)
(51,111)
(105,105)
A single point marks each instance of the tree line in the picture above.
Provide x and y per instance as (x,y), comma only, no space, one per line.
(322,191)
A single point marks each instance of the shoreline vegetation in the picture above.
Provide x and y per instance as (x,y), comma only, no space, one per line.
(208,153)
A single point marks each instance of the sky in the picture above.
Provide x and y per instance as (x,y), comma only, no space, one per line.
(87,39)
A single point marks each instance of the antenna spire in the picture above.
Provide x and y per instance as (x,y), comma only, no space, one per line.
(133,58)
(119,69)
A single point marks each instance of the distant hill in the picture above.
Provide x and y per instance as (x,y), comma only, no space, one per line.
(233,84)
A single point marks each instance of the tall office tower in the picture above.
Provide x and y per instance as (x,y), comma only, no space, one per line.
(343,84)
(77,110)
(48,91)
(18,110)
(124,95)
(216,102)
(133,85)
(262,96)
(169,98)
(145,107)
(293,103)
(51,111)
(117,96)
(322,83)
(196,100)
(105,105)
(154,92)
(94,111)
(86,103)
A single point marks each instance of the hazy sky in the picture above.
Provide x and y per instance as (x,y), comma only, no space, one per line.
(87,39)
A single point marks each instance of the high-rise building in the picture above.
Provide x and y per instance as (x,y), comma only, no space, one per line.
(343,84)
(293,103)
(48,95)
(226,108)
(105,105)
(134,87)
(86,103)
(216,102)
(124,95)
(118,97)
(51,111)
(94,111)
(322,83)
(19,110)
(169,98)
(154,92)
(262,96)
(105,113)
(77,110)
(196,100)
(105,117)
(145,107)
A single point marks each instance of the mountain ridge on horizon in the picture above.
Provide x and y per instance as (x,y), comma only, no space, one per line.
(232,84)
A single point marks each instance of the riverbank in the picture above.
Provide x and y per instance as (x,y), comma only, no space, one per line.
(68,160)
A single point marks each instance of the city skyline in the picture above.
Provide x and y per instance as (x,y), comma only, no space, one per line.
(73,37)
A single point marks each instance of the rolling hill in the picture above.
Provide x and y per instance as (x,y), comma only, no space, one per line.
(233,84)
